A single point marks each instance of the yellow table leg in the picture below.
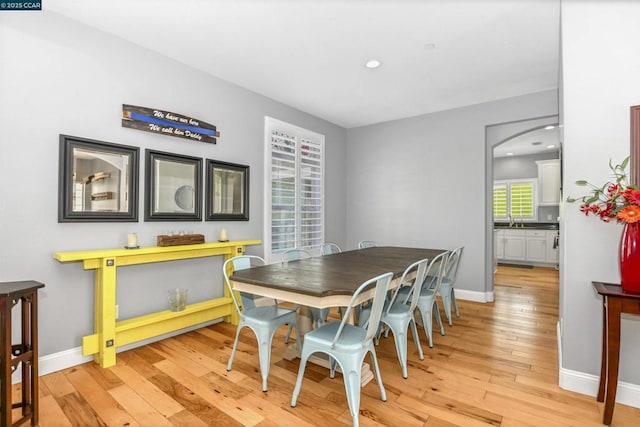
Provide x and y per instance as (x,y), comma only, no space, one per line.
(234,318)
(105,312)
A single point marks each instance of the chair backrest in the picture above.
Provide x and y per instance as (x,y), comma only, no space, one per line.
(330,248)
(241,263)
(433,276)
(452,263)
(295,254)
(366,244)
(437,269)
(381,285)
(421,269)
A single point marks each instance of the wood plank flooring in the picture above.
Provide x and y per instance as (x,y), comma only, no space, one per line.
(496,366)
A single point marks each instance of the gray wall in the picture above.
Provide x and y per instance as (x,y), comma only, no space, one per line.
(62,77)
(519,167)
(600,83)
(421,181)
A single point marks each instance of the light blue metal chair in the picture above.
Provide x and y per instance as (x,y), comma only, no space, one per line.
(347,345)
(427,304)
(318,315)
(447,292)
(330,248)
(263,321)
(366,244)
(398,315)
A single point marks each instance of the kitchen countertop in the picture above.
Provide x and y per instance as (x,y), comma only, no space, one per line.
(527,225)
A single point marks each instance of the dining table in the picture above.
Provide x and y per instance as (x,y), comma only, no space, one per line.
(327,280)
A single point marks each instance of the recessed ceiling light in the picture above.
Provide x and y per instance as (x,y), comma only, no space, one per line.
(551,146)
(429,46)
(509,154)
(549,127)
(373,63)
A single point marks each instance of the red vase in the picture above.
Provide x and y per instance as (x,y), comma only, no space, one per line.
(630,257)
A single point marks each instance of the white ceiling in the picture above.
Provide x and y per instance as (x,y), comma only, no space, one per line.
(310,54)
(536,141)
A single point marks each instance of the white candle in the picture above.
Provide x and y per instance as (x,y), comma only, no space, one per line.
(132,240)
(223,235)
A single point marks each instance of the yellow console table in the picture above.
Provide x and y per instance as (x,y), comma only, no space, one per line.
(109,333)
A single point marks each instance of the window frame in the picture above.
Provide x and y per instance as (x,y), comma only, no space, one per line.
(508,183)
(300,135)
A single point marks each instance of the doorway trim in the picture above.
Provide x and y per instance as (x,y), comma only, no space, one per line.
(496,134)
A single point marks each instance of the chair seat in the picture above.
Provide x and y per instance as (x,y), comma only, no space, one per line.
(351,337)
(268,314)
(424,292)
(445,281)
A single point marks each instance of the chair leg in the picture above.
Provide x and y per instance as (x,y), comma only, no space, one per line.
(351,374)
(436,312)
(427,324)
(296,389)
(446,302)
(376,372)
(235,347)
(455,304)
(264,354)
(286,337)
(400,339)
(416,340)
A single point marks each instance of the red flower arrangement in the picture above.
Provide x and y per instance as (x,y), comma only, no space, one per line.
(614,200)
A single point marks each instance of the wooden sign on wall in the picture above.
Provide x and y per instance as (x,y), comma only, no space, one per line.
(168,123)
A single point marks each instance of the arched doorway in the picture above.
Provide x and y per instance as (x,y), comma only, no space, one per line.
(495,135)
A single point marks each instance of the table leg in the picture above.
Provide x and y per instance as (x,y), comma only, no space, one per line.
(603,363)
(105,312)
(614,307)
(5,361)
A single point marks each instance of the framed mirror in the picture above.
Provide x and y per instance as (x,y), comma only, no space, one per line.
(635,145)
(227,191)
(172,187)
(97,181)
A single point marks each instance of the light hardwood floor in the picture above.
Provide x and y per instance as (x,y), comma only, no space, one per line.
(497,365)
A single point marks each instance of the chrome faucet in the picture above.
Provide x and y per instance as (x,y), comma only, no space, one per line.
(511,221)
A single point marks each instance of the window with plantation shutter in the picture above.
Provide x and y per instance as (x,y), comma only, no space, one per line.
(521,200)
(514,199)
(295,182)
(500,201)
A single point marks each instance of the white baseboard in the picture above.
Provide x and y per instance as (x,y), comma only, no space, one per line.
(626,393)
(68,358)
(463,294)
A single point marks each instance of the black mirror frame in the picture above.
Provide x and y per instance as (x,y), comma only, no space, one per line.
(150,190)
(65,181)
(211,166)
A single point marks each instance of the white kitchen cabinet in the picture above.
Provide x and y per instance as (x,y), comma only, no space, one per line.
(498,244)
(515,248)
(552,252)
(536,245)
(548,182)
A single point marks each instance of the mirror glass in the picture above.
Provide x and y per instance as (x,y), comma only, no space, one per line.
(98,181)
(227,191)
(229,188)
(174,186)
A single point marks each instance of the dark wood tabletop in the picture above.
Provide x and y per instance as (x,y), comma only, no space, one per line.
(335,274)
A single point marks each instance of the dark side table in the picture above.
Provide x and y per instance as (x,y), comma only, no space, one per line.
(614,302)
(25,352)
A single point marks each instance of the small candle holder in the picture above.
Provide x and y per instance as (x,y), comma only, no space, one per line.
(132,241)
(223,236)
